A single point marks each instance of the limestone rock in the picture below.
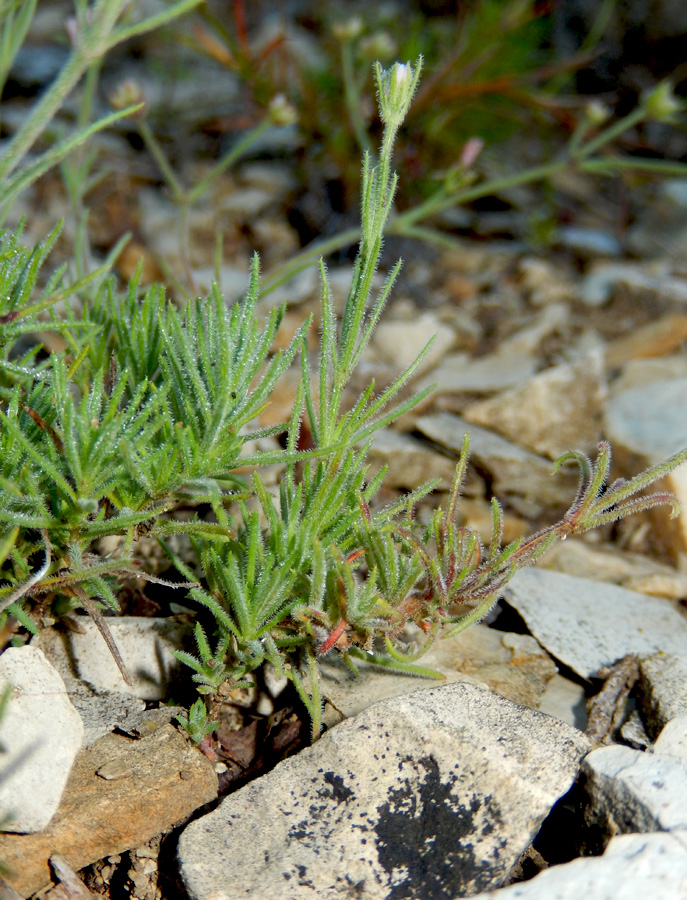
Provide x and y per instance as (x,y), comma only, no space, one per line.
(516,472)
(41,734)
(663,688)
(121,793)
(512,665)
(633,571)
(101,711)
(557,410)
(635,791)
(411,463)
(672,741)
(494,372)
(648,424)
(588,624)
(434,794)
(145,644)
(659,338)
(565,700)
(400,342)
(599,285)
(634,865)
(513,362)
(649,419)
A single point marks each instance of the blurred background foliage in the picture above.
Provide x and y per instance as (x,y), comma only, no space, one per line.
(506,84)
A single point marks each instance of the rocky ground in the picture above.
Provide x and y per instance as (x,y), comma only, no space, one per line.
(552,760)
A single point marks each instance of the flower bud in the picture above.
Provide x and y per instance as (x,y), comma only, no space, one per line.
(596,113)
(127,93)
(661,104)
(379,45)
(281,112)
(395,87)
(348,29)
(471,150)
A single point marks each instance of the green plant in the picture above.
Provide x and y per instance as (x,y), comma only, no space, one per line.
(319,570)
(196,724)
(110,441)
(151,406)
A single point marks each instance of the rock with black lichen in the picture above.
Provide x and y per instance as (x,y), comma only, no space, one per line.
(433,794)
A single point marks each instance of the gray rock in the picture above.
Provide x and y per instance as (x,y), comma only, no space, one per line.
(434,794)
(634,865)
(41,734)
(663,689)
(516,472)
(648,423)
(565,700)
(589,241)
(672,741)
(145,645)
(246,202)
(634,733)
(632,791)
(649,420)
(589,624)
(101,711)
(629,570)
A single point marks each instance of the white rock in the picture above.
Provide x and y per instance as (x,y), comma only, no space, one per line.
(589,241)
(633,866)
(145,645)
(634,571)
(663,689)
(589,624)
(273,176)
(246,202)
(458,372)
(649,419)
(527,341)
(632,791)
(672,741)
(598,286)
(431,795)
(649,422)
(41,734)
(633,732)
(558,409)
(400,342)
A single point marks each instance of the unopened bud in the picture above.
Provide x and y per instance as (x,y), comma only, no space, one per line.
(395,87)
(348,29)
(661,104)
(596,113)
(471,150)
(379,45)
(127,93)
(281,112)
